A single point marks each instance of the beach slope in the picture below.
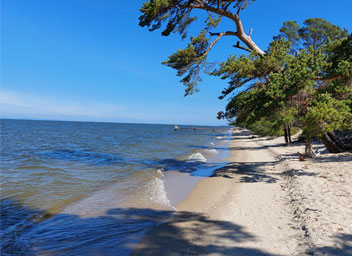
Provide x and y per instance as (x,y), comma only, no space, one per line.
(256,206)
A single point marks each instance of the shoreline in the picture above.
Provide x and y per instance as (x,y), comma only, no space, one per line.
(179,185)
(251,207)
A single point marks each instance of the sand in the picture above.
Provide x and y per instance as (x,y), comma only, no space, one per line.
(264,202)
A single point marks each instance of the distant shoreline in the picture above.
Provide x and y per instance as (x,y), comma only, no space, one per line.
(114,122)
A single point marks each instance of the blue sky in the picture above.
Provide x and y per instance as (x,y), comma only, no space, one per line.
(88,60)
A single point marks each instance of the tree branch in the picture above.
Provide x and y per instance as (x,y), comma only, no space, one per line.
(226,91)
(227,33)
(242,47)
(327,79)
(206,7)
(212,44)
(247,40)
(227,6)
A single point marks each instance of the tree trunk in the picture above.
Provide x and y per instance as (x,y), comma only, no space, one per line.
(309,149)
(338,141)
(286,135)
(289,133)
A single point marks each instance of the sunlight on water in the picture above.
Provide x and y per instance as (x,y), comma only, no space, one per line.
(70,188)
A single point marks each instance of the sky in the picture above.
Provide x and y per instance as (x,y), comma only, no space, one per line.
(88,60)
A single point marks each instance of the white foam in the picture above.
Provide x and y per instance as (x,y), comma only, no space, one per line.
(158,192)
(211,151)
(160,172)
(211,143)
(197,157)
(219,138)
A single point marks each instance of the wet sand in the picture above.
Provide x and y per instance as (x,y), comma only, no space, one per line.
(258,205)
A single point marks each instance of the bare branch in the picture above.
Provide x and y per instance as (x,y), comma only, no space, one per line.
(250,32)
(227,33)
(238,11)
(234,17)
(206,7)
(212,44)
(242,47)
(227,6)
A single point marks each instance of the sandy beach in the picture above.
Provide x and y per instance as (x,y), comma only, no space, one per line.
(264,202)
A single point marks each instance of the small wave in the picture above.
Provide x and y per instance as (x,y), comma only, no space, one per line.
(158,192)
(160,172)
(211,143)
(219,138)
(198,157)
(211,151)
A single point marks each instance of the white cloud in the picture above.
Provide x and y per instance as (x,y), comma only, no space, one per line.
(21,105)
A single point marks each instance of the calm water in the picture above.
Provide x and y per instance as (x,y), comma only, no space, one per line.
(79,188)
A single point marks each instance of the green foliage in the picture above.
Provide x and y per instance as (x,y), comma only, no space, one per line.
(289,32)
(212,22)
(315,33)
(156,12)
(247,71)
(267,127)
(175,16)
(285,88)
(326,114)
(339,57)
(304,78)
(190,60)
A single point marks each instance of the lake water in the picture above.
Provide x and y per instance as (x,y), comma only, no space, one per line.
(84,188)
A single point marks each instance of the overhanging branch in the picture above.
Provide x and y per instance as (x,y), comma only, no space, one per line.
(213,43)
(241,47)
(246,39)
(230,89)
(227,33)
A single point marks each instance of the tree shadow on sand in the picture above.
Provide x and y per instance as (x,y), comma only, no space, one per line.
(256,172)
(118,231)
(343,246)
(339,157)
(195,234)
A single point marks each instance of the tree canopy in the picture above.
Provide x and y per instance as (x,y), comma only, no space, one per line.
(175,16)
(303,79)
(310,87)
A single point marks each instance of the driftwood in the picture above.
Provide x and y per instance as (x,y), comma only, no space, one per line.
(338,141)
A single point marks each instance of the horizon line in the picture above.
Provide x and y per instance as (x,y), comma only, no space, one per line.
(108,122)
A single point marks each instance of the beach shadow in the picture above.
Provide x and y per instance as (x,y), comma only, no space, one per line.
(118,231)
(330,157)
(257,172)
(13,219)
(262,147)
(195,234)
(343,246)
(295,172)
(249,172)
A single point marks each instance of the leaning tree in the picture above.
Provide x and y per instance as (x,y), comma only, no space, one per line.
(176,16)
(275,81)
